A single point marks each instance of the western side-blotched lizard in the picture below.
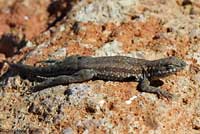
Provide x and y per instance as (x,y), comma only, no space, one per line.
(75,69)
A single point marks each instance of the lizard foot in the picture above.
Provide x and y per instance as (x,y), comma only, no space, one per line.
(144,86)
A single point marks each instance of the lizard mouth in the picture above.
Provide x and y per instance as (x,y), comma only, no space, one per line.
(176,67)
(172,69)
(166,67)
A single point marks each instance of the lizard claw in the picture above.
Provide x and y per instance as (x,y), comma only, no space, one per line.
(165,94)
(33,89)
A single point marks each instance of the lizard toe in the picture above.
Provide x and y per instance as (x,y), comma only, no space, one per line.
(165,94)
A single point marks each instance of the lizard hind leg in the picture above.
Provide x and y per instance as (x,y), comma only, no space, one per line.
(80,76)
(145,86)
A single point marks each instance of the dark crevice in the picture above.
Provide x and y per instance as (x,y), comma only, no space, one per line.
(11,44)
(59,10)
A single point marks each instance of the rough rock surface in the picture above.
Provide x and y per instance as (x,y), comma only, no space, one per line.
(53,29)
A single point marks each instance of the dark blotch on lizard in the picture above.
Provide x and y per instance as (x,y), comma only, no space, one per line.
(75,69)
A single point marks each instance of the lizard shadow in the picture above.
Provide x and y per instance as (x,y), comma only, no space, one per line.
(156,83)
(153,83)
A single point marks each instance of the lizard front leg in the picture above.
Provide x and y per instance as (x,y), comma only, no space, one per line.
(80,76)
(144,86)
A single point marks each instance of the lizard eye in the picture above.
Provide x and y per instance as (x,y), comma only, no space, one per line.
(79,57)
(169,66)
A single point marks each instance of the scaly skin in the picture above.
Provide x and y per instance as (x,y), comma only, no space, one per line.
(76,69)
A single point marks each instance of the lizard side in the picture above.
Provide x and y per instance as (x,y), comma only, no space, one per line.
(75,69)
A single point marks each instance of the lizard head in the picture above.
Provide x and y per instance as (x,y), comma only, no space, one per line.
(166,66)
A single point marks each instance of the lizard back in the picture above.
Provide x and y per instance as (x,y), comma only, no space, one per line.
(114,67)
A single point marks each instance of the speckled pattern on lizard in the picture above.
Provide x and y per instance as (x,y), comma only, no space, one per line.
(76,69)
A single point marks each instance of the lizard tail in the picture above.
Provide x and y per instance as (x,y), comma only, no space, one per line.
(7,73)
(11,65)
(3,63)
(7,62)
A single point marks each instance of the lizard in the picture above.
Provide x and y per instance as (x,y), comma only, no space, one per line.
(77,69)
